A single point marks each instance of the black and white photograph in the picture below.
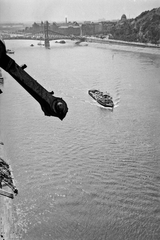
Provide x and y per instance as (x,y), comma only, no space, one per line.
(79,120)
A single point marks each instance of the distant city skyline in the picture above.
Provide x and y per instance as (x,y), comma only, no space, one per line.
(23,11)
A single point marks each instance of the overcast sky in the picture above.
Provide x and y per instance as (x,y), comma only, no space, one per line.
(74,10)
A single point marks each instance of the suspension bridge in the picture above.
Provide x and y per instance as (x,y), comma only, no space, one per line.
(47,35)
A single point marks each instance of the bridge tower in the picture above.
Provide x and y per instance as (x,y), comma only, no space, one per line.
(81,33)
(46,40)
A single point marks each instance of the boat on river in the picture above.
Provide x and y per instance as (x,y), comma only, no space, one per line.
(40,43)
(7,180)
(60,41)
(103,99)
(1,77)
(9,51)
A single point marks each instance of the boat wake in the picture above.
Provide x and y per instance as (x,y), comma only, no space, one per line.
(117,98)
(116,102)
(94,103)
(104,99)
(77,98)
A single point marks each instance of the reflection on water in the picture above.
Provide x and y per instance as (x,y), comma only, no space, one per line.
(95,175)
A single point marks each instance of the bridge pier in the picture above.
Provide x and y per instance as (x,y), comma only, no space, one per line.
(46,40)
(46,43)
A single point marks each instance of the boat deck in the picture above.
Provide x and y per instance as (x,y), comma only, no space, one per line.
(104,100)
(7,227)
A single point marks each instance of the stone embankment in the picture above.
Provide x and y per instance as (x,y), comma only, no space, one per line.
(124,43)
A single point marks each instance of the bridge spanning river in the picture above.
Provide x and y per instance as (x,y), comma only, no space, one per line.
(48,35)
(45,34)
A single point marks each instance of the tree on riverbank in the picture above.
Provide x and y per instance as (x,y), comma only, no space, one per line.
(144,28)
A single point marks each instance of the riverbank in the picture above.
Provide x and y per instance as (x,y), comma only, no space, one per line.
(124,43)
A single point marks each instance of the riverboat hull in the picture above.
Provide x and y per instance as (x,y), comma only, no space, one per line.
(99,97)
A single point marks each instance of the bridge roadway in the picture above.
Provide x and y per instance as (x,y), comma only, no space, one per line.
(38,37)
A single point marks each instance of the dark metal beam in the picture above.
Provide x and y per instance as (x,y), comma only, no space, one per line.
(51,105)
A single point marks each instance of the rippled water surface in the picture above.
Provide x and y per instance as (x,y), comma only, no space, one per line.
(96,174)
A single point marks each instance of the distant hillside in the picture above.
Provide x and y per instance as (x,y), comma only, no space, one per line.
(144,28)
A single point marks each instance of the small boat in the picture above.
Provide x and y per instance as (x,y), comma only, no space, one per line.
(40,44)
(1,77)
(60,41)
(32,45)
(7,180)
(9,51)
(103,99)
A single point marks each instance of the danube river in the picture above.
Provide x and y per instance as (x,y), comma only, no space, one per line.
(96,174)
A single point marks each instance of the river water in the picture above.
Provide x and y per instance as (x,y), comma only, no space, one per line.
(96,174)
